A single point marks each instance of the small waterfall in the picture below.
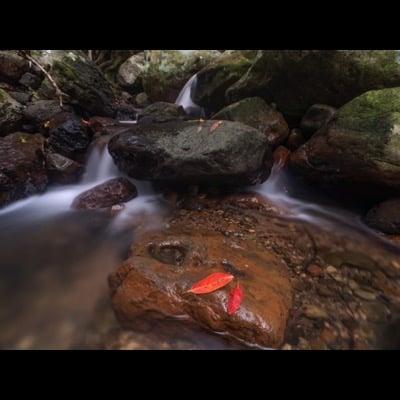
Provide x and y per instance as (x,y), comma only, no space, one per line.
(57,199)
(100,165)
(184,99)
(276,189)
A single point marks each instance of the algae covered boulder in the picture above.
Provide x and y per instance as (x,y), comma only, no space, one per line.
(297,79)
(255,112)
(214,79)
(193,152)
(168,70)
(78,77)
(359,149)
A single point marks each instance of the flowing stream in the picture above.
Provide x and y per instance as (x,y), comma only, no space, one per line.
(55,260)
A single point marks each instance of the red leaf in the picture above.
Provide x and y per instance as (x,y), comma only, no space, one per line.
(235,298)
(215,125)
(210,283)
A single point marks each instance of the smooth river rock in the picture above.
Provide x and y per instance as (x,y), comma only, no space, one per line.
(163,266)
(193,152)
(107,194)
(358,151)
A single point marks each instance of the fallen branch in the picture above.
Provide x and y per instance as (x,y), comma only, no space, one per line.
(59,92)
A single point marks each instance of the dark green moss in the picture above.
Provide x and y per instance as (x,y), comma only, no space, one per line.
(297,79)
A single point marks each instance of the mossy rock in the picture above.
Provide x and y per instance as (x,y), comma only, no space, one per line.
(297,79)
(214,79)
(168,70)
(10,113)
(255,112)
(359,149)
(80,78)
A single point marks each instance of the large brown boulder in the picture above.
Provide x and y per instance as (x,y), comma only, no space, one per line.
(163,266)
(22,166)
(193,152)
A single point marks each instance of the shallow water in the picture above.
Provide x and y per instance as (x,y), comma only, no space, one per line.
(55,260)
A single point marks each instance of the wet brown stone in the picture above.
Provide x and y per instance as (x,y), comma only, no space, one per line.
(385,216)
(314,270)
(22,167)
(107,194)
(62,169)
(163,266)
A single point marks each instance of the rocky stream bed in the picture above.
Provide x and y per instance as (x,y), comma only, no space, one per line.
(281,168)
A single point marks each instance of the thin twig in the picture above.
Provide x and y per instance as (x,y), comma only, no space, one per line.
(59,92)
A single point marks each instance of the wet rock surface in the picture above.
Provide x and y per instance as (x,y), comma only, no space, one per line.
(43,110)
(107,194)
(255,112)
(316,117)
(12,66)
(163,266)
(79,78)
(68,135)
(358,150)
(160,112)
(10,113)
(215,78)
(385,216)
(62,169)
(343,298)
(209,152)
(168,70)
(297,79)
(22,166)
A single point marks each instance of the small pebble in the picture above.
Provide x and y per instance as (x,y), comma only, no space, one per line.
(315,312)
(331,270)
(315,271)
(353,284)
(363,294)
(324,291)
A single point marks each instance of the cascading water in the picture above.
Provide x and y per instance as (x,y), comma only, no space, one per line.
(100,166)
(185,99)
(277,189)
(55,260)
